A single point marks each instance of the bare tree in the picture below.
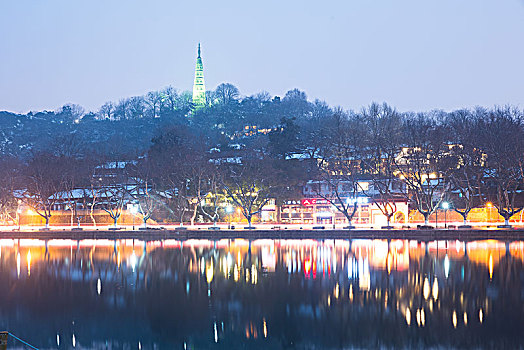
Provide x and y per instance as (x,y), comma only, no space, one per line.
(463,166)
(45,183)
(170,99)
(154,102)
(137,107)
(179,160)
(107,111)
(210,205)
(71,113)
(501,137)
(113,188)
(250,179)
(112,200)
(226,93)
(419,163)
(339,164)
(382,136)
(144,192)
(123,109)
(10,175)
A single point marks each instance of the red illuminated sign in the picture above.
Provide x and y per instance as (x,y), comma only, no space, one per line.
(312,201)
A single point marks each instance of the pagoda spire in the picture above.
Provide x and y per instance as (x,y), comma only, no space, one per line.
(199,87)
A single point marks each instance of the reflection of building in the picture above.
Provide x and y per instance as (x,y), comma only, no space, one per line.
(238,290)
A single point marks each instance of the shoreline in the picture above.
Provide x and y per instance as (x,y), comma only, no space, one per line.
(181,234)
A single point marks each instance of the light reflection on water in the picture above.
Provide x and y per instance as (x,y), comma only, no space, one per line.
(266,293)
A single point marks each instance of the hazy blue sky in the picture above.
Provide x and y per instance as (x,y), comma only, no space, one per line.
(415,55)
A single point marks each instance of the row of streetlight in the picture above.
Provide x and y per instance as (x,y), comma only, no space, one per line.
(446,205)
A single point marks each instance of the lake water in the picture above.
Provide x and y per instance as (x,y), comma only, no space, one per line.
(304,294)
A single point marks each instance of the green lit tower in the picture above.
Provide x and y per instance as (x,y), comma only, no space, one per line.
(199,88)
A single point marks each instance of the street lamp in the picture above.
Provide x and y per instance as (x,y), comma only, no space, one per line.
(488,205)
(445,206)
(18,212)
(229,210)
(133,209)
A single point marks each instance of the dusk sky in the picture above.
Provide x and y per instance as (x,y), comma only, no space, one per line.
(416,55)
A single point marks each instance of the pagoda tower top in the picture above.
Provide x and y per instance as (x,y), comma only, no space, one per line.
(199,87)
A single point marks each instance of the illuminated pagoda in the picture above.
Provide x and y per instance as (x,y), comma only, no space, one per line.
(199,87)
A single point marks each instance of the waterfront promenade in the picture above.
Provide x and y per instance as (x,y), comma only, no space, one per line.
(181,233)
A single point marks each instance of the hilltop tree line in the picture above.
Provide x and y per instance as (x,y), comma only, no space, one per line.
(187,161)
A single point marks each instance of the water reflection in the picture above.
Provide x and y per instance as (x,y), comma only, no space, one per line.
(267,293)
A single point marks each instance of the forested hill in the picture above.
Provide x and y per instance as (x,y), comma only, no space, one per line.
(126,128)
(23,135)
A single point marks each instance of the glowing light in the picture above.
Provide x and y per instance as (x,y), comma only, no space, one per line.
(99,286)
(329,300)
(418,317)
(307,266)
(254,275)
(435,289)
(74,341)
(481,316)
(454,319)
(18,264)
(426,289)
(336,291)
(446,266)
(490,266)
(132,260)
(389,262)
(350,292)
(465,319)
(408,316)
(29,263)
(364,277)
(264,327)
(422,317)
(210,271)
(57,340)
(236,274)
(139,346)
(216,332)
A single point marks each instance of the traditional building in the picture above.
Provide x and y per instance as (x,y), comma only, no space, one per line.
(199,87)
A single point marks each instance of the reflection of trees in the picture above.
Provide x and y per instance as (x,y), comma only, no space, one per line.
(165,298)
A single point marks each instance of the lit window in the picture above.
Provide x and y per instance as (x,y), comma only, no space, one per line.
(364,186)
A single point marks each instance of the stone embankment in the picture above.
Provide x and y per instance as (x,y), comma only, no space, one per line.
(184,234)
